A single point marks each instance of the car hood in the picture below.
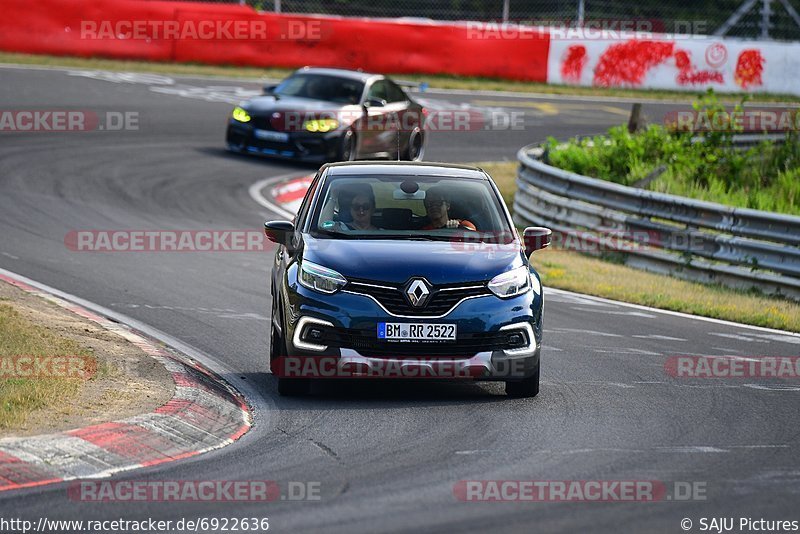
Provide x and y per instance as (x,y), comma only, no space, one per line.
(270,104)
(395,261)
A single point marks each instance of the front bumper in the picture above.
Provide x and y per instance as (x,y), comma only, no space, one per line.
(305,146)
(348,345)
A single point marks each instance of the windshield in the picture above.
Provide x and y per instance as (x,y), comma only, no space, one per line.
(321,87)
(409,207)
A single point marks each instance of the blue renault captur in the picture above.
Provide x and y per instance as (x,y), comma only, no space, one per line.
(405,270)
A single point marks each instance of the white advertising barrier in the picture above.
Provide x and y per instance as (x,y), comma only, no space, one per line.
(681,62)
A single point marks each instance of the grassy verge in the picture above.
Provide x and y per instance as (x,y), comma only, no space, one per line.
(19,397)
(574,271)
(440,81)
(667,159)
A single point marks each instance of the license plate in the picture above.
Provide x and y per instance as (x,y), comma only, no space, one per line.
(267,135)
(416,332)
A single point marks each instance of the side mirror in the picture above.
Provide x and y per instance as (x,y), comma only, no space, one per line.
(279,231)
(269,89)
(536,238)
(374,103)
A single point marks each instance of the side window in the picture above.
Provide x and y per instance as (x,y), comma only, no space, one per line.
(395,94)
(378,91)
(300,218)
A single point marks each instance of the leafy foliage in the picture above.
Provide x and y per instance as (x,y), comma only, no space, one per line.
(699,164)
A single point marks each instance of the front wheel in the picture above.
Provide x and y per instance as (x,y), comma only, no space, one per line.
(416,147)
(347,150)
(527,387)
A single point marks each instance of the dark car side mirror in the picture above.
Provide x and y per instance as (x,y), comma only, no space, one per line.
(536,238)
(269,89)
(279,232)
(374,103)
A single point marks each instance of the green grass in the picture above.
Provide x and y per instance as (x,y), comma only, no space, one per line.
(764,177)
(578,272)
(441,81)
(19,397)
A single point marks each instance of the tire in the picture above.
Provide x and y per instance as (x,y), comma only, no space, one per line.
(348,148)
(415,150)
(527,387)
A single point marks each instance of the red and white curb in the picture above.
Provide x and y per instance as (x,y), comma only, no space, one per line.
(289,195)
(281,194)
(204,414)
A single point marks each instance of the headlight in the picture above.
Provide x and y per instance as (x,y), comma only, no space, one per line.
(320,278)
(321,125)
(510,284)
(239,114)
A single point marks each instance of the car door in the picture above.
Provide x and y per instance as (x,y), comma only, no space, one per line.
(378,126)
(408,117)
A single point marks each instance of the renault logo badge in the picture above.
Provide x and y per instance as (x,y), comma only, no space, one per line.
(418,292)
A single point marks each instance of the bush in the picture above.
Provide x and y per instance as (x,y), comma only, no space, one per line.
(702,165)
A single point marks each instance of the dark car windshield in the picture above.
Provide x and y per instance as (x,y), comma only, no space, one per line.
(410,208)
(321,87)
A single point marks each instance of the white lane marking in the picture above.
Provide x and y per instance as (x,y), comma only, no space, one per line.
(598,383)
(691,449)
(255,193)
(783,338)
(581,331)
(726,350)
(659,337)
(547,347)
(770,387)
(738,337)
(124,77)
(627,350)
(686,449)
(476,451)
(565,293)
(214,93)
(607,312)
(7,255)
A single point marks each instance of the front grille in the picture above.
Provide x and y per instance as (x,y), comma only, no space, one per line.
(442,299)
(366,343)
(261,122)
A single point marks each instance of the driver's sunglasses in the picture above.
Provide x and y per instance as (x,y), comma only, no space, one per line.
(361,207)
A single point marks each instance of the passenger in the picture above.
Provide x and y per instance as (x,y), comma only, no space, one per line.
(437,205)
(356,203)
(362,207)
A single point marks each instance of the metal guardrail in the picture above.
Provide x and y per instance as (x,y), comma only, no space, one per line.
(689,238)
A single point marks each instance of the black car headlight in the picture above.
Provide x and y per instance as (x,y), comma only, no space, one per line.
(512,283)
(320,278)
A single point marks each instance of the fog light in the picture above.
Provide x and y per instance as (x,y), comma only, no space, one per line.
(314,333)
(516,339)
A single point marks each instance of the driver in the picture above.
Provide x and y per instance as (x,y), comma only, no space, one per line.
(437,205)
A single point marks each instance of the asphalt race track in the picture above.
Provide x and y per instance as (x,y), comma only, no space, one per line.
(387,455)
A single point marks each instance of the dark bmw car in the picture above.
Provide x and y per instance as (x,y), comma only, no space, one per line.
(322,115)
(405,270)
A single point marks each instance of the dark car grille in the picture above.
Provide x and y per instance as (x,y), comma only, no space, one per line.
(366,343)
(442,299)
